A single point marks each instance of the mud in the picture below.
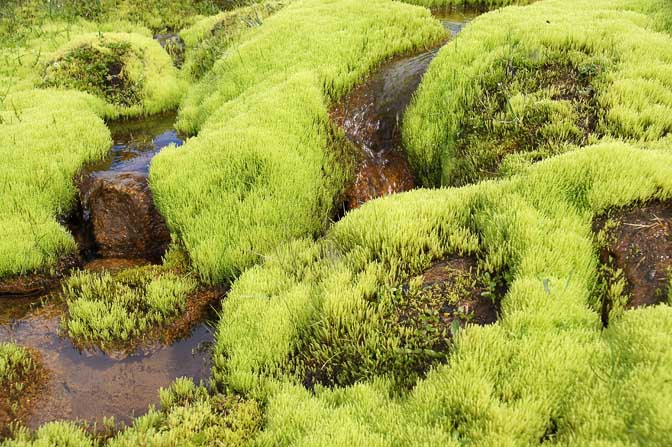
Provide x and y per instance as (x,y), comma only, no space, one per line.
(638,242)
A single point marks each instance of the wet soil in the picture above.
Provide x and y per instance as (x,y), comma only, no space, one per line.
(371,114)
(638,241)
(38,283)
(90,385)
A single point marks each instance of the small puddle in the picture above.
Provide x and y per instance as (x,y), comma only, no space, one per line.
(371,114)
(90,385)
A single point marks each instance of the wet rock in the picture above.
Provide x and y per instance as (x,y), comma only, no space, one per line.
(121,213)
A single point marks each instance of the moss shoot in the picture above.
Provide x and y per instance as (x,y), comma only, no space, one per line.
(20,378)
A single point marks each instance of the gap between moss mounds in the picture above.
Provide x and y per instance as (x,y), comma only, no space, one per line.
(635,251)
(418,320)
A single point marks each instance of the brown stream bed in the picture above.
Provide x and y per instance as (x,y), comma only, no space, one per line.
(371,114)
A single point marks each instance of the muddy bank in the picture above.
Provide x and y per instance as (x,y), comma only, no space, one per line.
(371,114)
(635,249)
(91,385)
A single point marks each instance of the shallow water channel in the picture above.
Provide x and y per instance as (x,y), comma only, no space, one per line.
(371,114)
(93,385)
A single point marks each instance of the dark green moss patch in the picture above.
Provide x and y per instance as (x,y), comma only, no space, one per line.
(416,323)
(528,109)
(100,71)
(635,250)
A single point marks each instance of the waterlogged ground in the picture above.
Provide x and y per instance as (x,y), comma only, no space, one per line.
(371,116)
(136,142)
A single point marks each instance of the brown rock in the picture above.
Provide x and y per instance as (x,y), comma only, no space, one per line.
(121,212)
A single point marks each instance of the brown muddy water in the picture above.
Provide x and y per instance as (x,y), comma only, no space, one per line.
(89,386)
(371,114)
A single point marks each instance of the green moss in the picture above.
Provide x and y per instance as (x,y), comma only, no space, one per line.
(209,38)
(132,73)
(227,193)
(522,81)
(104,308)
(45,136)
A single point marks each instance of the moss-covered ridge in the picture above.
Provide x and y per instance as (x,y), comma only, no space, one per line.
(264,167)
(481,102)
(545,371)
(45,136)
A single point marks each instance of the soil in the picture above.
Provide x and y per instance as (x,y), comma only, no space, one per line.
(639,242)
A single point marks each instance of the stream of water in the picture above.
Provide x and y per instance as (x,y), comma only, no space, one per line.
(371,115)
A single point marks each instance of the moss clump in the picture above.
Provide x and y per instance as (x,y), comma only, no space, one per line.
(110,308)
(20,378)
(519,85)
(98,71)
(209,39)
(130,72)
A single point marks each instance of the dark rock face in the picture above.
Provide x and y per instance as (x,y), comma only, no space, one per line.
(122,216)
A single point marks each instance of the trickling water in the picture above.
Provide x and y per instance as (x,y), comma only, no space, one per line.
(370,115)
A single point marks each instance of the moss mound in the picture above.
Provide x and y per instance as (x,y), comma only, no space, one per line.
(130,72)
(519,85)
